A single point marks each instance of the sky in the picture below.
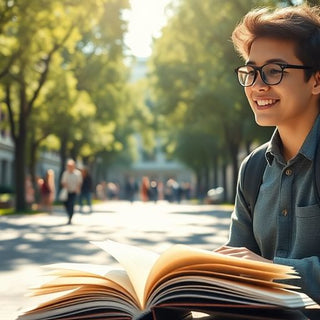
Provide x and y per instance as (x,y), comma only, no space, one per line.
(146,18)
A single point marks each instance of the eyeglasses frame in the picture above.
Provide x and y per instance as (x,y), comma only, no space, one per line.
(283,66)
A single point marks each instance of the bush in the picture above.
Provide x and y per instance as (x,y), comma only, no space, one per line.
(6,211)
(6,197)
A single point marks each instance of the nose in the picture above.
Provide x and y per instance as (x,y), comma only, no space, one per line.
(259,84)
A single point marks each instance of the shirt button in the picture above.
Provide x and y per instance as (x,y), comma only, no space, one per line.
(284,212)
(288,172)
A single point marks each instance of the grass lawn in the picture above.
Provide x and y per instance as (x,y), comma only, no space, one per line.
(6,211)
(9,211)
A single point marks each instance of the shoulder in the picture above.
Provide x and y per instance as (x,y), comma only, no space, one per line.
(255,157)
(78,174)
(251,173)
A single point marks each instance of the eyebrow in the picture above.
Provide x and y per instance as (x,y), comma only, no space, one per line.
(276,60)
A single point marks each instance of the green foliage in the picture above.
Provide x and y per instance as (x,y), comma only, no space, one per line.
(195,87)
(61,73)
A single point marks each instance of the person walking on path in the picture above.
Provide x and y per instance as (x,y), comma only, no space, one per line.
(71,179)
(130,189)
(86,189)
(47,190)
(145,189)
(281,79)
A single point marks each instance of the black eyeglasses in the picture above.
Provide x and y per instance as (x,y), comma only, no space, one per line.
(270,73)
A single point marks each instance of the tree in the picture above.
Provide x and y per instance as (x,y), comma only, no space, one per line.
(92,77)
(34,34)
(98,65)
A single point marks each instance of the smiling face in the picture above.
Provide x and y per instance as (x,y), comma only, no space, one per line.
(291,103)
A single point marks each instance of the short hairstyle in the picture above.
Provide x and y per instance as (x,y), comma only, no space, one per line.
(299,24)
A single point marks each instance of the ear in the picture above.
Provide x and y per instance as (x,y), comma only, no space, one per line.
(316,83)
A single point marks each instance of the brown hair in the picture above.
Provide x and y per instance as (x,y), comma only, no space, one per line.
(300,24)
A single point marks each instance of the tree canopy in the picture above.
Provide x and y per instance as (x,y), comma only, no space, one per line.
(62,73)
(195,87)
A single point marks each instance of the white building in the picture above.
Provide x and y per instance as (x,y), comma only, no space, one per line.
(6,160)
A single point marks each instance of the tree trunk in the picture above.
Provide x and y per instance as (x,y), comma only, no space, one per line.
(215,181)
(198,184)
(20,174)
(20,153)
(233,139)
(206,183)
(32,162)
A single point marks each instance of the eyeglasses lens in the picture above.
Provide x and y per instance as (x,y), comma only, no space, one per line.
(246,75)
(270,73)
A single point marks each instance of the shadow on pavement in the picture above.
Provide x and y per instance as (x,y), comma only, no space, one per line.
(46,239)
(41,245)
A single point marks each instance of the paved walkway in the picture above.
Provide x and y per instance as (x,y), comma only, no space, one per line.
(28,242)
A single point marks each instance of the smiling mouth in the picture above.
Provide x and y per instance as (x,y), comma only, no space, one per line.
(264,103)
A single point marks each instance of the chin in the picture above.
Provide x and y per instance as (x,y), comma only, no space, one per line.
(265,122)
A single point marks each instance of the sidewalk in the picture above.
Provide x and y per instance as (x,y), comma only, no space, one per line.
(28,242)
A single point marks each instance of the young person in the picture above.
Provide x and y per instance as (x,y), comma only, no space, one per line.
(281,80)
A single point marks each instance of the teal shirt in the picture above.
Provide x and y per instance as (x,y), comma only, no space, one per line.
(285,226)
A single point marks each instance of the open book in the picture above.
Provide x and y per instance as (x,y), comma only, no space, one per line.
(180,279)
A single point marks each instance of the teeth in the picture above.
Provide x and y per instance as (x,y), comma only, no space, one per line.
(265,102)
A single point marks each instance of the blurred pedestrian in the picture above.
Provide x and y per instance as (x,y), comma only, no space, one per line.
(112,190)
(101,192)
(145,189)
(71,180)
(160,190)
(29,192)
(47,191)
(173,191)
(86,189)
(130,189)
(186,190)
(153,193)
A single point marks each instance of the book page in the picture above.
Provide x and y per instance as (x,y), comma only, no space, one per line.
(240,271)
(146,268)
(179,256)
(67,273)
(136,261)
(72,282)
(180,273)
(210,290)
